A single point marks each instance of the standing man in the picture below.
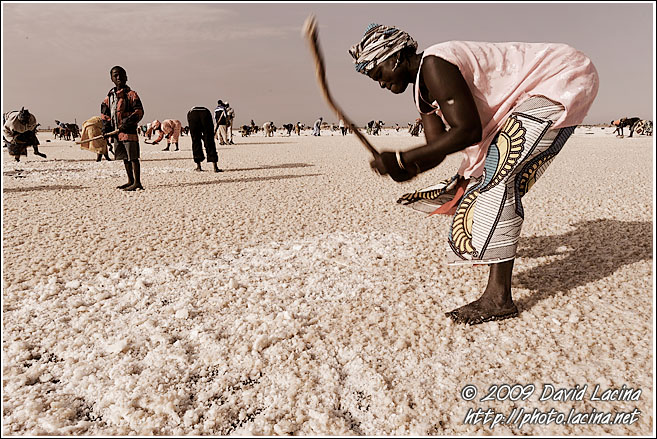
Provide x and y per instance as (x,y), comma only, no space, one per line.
(201,129)
(122,110)
(221,117)
(19,132)
(317,127)
(230,116)
(171,128)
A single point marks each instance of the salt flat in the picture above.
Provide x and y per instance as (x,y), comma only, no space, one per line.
(291,294)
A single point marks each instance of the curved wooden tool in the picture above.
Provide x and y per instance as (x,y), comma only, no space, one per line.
(311,34)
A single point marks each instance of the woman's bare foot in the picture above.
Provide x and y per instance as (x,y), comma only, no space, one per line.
(483,310)
(123,186)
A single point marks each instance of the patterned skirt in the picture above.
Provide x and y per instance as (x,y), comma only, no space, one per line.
(488,212)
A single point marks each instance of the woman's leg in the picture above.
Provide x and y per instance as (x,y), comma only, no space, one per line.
(486,226)
(495,303)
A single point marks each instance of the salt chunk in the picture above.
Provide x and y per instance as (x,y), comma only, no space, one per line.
(261,343)
(297,247)
(73,284)
(282,427)
(232,284)
(322,418)
(45,377)
(182,313)
(141,283)
(117,347)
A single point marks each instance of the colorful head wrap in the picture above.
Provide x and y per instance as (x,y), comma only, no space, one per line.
(378,44)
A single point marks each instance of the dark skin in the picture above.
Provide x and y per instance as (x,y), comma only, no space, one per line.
(24,117)
(442,82)
(132,167)
(214,164)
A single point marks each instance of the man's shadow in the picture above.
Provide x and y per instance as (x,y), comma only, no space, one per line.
(593,251)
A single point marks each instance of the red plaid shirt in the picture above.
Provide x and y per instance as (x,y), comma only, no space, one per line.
(129,112)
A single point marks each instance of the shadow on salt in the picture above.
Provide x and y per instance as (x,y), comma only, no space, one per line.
(594,250)
(240,180)
(56,187)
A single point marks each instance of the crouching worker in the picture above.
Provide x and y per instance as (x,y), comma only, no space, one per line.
(171,128)
(93,128)
(510,108)
(19,132)
(122,110)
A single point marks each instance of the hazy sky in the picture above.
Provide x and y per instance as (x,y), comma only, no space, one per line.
(57,56)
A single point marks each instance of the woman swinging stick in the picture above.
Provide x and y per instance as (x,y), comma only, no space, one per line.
(510,108)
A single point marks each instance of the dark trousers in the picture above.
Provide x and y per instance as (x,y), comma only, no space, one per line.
(201,129)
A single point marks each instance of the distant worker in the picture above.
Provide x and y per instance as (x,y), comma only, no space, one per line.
(317,127)
(630,122)
(221,117)
(370,127)
(230,117)
(151,128)
(269,129)
(170,128)
(93,128)
(201,129)
(19,132)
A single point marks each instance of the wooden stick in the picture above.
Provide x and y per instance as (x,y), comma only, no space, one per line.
(311,33)
(79,142)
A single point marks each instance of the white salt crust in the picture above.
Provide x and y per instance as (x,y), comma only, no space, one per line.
(292,295)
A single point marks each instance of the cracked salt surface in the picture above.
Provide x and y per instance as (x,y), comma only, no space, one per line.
(246,303)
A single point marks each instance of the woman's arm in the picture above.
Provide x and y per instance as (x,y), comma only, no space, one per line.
(446,85)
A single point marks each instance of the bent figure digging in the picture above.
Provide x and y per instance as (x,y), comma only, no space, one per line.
(509,108)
